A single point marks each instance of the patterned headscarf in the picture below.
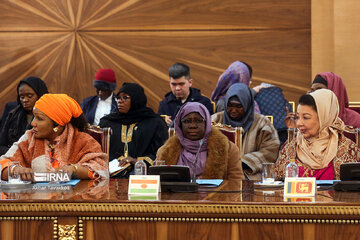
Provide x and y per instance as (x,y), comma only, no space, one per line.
(190,147)
(237,72)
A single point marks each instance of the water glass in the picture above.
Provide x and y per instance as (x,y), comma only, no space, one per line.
(13,177)
(268,173)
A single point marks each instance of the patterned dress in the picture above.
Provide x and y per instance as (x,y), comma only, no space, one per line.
(347,152)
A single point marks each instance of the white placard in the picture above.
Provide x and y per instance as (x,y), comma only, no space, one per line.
(144,184)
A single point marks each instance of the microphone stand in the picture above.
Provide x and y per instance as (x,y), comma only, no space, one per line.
(195,161)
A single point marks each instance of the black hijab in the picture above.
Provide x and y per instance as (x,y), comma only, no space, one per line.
(18,115)
(36,84)
(138,110)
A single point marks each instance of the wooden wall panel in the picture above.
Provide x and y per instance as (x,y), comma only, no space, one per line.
(66,42)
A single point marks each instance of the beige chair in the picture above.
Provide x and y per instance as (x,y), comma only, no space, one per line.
(102,135)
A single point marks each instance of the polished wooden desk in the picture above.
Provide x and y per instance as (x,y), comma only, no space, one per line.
(102,210)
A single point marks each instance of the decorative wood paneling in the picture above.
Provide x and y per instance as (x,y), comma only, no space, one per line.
(66,42)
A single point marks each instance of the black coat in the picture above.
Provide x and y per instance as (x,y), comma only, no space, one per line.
(89,105)
(16,122)
(14,127)
(148,135)
(171,105)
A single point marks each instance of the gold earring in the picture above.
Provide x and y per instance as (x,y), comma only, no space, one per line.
(55,129)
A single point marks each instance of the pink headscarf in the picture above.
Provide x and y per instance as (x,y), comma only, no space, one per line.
(336,84)
(190,147)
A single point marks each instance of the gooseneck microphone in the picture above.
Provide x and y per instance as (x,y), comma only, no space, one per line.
(201,141)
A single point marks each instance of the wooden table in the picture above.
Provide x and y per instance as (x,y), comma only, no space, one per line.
(235,210)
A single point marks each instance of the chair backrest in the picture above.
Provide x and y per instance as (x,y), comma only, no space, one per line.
(292,104)
(102,135)
(355,106)
(271,118)
(353,134)
(214,106)
(233,134)
(171,132)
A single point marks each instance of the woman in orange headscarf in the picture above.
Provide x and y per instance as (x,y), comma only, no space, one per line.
(57,142)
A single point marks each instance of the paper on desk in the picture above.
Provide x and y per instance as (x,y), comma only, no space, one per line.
(212,182)
(326,182)
(72,182)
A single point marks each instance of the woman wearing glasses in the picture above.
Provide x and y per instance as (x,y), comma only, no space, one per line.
(260,140)
(137,131)
(218,158)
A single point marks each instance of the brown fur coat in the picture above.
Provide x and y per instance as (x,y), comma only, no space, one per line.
(223,159)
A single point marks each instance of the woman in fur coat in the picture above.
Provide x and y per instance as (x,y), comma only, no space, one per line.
(218,158)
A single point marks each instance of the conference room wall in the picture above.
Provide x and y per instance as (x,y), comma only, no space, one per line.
(335,41)
(66,42)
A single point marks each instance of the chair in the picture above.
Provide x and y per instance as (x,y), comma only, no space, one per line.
(355,106)
(271,118)
(102,136)
(171,132)
(233,134)
(165,118)
(292,104)
(214,106)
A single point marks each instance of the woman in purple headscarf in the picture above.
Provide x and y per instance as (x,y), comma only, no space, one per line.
(237,72)
(218,157)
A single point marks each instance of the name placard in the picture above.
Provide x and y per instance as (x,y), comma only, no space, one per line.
(300,187)
(144,184)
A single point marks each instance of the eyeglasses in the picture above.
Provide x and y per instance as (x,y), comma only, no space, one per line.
(122,98)
(189,121)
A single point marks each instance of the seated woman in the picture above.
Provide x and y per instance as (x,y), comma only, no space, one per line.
(137,131)
(320,146)
(260,141)
(333,82)
(57,142)
(237,72)
(18,120)
(218,157)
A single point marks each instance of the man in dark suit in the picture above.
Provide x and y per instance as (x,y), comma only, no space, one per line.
(96,107)
(181,92)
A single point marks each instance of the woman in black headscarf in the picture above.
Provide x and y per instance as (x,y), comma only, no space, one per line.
(29,90)
(137,131)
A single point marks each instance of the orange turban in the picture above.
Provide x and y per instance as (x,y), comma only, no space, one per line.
(58,107)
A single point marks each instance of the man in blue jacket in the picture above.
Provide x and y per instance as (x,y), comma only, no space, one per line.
(96,107)
(181,92)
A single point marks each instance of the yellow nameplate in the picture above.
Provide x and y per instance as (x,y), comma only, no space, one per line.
(299,199)
(300,187)
(144,184)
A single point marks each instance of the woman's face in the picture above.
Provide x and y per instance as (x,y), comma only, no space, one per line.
(307,121)
(193,126)
(235,110)
(123,102)
(42,125)
(317,86)
(28,97)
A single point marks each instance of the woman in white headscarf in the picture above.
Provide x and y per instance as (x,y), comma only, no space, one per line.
(319,147)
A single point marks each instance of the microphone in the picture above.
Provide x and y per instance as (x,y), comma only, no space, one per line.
(201,141)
